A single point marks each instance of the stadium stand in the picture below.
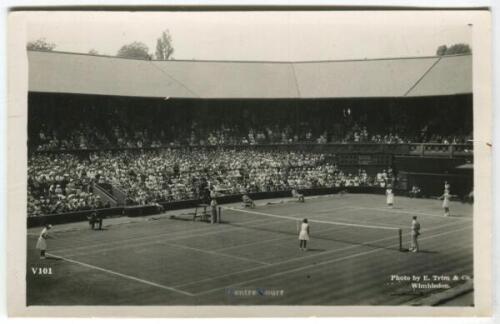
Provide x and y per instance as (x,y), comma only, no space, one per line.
(261,128)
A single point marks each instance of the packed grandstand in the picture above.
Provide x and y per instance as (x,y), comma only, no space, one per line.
(154,161)
(64,184)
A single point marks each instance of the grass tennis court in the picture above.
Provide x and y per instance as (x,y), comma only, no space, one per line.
(253,257)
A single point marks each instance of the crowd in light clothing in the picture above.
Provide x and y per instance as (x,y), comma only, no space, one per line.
(63,184)
(66,183)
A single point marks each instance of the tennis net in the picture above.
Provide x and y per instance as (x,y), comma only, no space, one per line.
(288,226)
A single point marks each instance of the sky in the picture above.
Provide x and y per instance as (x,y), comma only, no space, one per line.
(258,36)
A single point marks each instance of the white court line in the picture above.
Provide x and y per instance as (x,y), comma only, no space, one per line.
(409,212)
(267,241)
(118,274)
(302,258)
(319,264)
(133,239)
(217,253)
(313,220)
(190,233)
(156,240)
(273,240)
(282,262)
(325,218)
(333,209)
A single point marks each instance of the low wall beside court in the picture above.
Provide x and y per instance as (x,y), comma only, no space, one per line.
(137,211)
(71,217)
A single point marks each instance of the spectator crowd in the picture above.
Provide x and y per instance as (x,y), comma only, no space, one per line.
(110,127)
(66,183)
(89,137)
(181,147)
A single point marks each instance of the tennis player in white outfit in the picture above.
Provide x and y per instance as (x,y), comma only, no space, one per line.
(303,235)
(41,244)
(446,202)
(390,197)
(415,232)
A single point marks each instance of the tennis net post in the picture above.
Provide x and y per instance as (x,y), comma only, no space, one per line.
(400,234)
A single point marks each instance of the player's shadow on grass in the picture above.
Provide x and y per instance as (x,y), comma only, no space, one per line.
(181,218)
(458,216)
(419,251)
(202,221)
(428,251)
(316,250)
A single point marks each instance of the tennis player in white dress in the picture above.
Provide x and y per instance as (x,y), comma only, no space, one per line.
(390,197)
(41,244)
(303,235)
(446,202)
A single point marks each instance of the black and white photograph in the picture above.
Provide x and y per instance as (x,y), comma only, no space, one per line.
(252,158)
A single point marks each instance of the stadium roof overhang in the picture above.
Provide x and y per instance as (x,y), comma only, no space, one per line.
(56,72)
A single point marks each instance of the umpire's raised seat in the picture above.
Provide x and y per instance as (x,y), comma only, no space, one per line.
(201,212)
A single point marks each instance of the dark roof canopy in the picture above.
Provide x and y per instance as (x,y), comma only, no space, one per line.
(57,72)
